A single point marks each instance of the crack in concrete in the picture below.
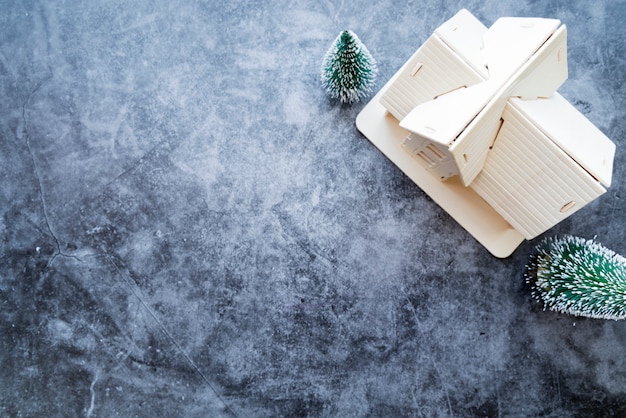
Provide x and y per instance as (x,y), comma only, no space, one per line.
(134,165)
(37,174)
(131,283)
(92,391)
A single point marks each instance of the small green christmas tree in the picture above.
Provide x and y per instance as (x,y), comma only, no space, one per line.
(348,69)
(579,277)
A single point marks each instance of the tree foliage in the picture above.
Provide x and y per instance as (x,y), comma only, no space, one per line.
(579,277)
(348,69)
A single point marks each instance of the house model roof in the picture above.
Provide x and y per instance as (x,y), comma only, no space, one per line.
(480,104)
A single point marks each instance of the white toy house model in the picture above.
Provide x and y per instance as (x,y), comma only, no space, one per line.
(475,120)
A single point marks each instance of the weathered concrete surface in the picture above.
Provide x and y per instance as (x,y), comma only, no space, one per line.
(190,227)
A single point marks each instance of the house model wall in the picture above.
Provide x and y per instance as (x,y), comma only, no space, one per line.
(480,104)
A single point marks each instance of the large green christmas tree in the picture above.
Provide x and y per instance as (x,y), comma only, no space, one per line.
(348,69)
(579,277)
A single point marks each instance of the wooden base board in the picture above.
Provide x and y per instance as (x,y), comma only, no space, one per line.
(461,203)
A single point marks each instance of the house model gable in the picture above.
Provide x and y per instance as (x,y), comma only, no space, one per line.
(478,106)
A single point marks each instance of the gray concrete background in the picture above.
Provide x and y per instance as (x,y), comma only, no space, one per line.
(191,228)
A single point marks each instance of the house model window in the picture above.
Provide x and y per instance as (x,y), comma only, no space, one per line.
(477,108)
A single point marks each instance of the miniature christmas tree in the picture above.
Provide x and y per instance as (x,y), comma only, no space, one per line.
(579,277)
(348,69)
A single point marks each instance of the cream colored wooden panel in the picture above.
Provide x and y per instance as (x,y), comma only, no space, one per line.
(463,33)
(471,148)
(444,119)
(529,180)
(573,133)
(511,41)
(545,71)
(421,79)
